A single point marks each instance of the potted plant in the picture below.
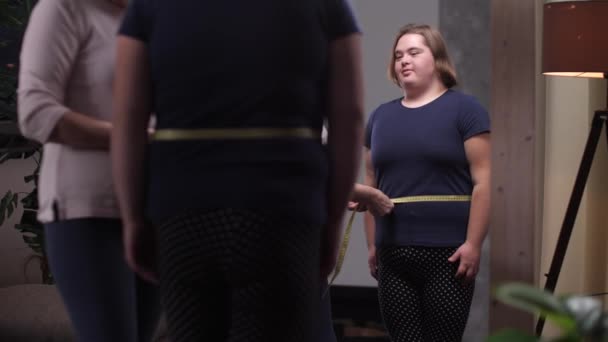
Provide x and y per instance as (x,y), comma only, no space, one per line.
(580,318)
(14,15)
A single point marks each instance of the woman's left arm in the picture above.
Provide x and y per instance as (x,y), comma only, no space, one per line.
(130,116)
(478,152)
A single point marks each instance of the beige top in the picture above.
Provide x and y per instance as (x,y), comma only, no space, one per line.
(67,63)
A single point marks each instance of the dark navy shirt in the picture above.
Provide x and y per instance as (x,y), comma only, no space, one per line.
(420,151)
(232,64)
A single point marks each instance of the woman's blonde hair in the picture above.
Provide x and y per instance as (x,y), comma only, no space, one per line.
(434,41)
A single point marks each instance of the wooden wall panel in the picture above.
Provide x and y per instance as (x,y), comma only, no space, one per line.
(516,135)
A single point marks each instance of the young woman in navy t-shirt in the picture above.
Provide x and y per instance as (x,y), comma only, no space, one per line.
(429,151)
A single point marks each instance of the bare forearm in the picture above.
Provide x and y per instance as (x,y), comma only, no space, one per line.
(128,151)
(479,214)
(368,220)
(130,117)
(370,229)
(344,163)
(361,193)
(82,132)
(345,122)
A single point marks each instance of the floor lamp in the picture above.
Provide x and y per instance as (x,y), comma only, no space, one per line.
(575,44)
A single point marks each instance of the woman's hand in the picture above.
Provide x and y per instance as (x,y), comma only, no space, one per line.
(368,198)
(139,241)
(379,204)
(371,262)
(356,206)
(330,245)
(469,255)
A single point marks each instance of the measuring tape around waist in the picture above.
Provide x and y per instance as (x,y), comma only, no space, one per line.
(236,133)
(398,200)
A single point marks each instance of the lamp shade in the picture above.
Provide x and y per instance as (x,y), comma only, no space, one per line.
(575,38)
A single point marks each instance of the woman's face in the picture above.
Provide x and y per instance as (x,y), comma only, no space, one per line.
(414,61)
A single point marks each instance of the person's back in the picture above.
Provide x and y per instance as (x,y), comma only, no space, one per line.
(239,64)
(237,178)
(215,63)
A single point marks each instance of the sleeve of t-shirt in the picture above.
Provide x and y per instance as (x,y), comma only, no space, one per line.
(473,118)
(54,35)
(367,142)
(340,19)
(137,22)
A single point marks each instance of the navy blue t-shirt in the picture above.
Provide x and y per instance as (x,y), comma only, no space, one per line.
(420,151)
(233,64)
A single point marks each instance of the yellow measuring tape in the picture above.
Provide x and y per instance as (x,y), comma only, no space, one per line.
(235,133)
(398,200)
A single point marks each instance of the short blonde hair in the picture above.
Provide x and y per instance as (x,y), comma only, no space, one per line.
(434,41)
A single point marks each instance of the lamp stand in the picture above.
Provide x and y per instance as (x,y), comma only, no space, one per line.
(600,118)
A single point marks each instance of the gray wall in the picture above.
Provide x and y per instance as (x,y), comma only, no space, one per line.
(465,25)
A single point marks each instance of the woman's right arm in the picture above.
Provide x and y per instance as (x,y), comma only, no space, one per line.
(345,122)
(345,135)
(82,132)
(368,220)
(49,51)
(370,180)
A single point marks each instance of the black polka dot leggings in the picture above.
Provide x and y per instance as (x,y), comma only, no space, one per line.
(420,298)
(239,276)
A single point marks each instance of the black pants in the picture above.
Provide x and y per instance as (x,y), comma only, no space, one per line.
(106,301)
(420,299)
(238,275)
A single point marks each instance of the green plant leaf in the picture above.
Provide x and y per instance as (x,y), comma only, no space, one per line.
(567,338)
(10,207)
(12,204)
(16,147)
(30,201)
(8,204)
(33,244)
(15,200)
(32,235)
(512,336)
(604,331)
(30,228)
(15,21)
(532,299)
(3,205)
(529,298)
